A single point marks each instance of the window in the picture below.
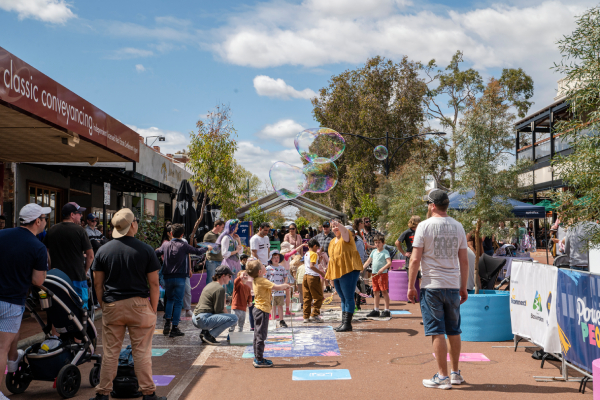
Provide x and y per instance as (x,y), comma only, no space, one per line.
(542,175)
(525,139)
(542,150)
(526,154)
(561,143)
(47,196)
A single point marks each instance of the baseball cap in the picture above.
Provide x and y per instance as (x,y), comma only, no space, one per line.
(30,212)
(223,270)
(122,221)
(91,217)
(326,224)
(72,207)
(349,227)
(438,197)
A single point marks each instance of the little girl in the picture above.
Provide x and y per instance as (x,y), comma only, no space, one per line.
(241,300)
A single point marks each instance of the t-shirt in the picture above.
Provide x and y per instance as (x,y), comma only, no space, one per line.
(125,262)
(407,237)
(261,245)
(213,255)
(277,275)
(311,258)
(20,253)
(212,299)
(66,242)
(379,260)
(241,295)
(440,238)
(262,294)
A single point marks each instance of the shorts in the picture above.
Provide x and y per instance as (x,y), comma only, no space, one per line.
(278,300)
(82,290)
(380,283)
(441,311)
(10,317)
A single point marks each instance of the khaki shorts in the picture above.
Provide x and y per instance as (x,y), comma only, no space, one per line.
(278,300)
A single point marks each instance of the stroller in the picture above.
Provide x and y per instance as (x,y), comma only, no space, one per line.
(64,309)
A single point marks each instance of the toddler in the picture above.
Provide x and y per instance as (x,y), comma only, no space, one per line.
(241,300)
(381,260)
(278,275)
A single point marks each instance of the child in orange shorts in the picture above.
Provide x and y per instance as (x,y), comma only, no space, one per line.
(381,261)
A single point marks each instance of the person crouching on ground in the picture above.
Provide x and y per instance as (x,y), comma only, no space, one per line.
(311,284)
(262,308)
(278,275)
(381,262)
(241,300)
(210,314)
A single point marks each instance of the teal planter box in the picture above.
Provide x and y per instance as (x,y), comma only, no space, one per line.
(485,317)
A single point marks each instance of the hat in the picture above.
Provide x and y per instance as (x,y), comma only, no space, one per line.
(438,197)
(72,207)
(31,212)
(286,247)
(122,221)
(349,227)
(273,252)
(326,224)
(223,270)
(91,217)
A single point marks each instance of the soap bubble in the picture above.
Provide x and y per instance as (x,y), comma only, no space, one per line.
(288,181)
(320,177)
(320,145)
(381,152)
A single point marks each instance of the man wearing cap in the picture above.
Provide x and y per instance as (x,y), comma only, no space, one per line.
(125,276)
(210,314)
(325,237)
(90,229)
(440,248)
(23,262)
(67,242)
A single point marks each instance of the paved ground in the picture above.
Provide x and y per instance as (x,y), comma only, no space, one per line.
(384,358)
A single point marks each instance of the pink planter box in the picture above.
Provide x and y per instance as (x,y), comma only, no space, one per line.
(398,264)
(399,285)
(200,281)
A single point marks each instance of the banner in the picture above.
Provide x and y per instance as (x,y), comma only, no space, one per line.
(578,313)
(533,304)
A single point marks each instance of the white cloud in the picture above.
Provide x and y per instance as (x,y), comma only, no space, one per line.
(174,141)
(140,68)
(130,52)
(259,161)
(283,131)
(53,11)
(267,86)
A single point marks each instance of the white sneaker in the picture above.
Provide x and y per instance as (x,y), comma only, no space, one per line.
(456,378)
(13,366)
(306,320)
(437,383)
(188,313)
(3,397)
(316,318)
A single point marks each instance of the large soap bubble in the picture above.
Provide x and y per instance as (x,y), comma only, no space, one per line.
(380,152)
(287,180)
(320,145)
(320,177)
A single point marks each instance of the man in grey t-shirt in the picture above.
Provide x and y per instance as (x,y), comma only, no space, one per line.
(440,248)
(576,244)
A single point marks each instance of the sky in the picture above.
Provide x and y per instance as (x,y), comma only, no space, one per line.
(159,67)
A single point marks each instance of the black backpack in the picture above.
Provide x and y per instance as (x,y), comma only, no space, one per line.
(125,385)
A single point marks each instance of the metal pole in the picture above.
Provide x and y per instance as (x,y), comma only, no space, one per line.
(104,219)
(387,160)
(248,185)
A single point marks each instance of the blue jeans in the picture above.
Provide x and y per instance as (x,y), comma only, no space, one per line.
(489,252)
(345,288)
(441,311)
(82,290)
(211,266)
(215,324)
(174,292)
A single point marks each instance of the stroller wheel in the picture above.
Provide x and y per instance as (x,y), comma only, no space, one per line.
(68,381)
(95,375)
(18,382)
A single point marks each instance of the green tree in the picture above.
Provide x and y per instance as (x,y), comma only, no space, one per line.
(368,207)
(301,223)
(257,216)
(581,169)
(150,230)
(213,167)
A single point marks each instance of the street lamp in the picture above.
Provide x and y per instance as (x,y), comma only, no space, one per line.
(160,139)
(387,138)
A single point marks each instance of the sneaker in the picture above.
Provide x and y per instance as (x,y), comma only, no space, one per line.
(288,313)
(282,324)
(437,383)
(153,396)
(456,378)
(251,329)
(316,318)
(3,397)
(209,339)
(175,332)
(306,320)
(374,314)
(386,314)
(13,366)
(167,328)
(188,313)
(97,397)
(264,363)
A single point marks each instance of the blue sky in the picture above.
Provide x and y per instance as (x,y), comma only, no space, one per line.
(160,66)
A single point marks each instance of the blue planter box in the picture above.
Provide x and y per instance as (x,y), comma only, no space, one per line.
(485,317)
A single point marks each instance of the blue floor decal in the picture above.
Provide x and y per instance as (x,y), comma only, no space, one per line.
(321,375)
(402,312)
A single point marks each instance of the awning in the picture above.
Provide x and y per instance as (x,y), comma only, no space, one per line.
(522,210)
(273,202)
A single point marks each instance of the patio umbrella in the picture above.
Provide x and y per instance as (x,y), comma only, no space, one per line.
(184,209)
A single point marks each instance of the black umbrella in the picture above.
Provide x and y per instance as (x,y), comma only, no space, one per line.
(184,208)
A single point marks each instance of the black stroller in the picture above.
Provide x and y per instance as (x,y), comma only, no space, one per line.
(65,312)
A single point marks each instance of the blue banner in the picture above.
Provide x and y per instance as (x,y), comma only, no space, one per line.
(578,314)
(245,232)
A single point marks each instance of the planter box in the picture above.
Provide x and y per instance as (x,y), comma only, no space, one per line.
(397,265)
(398,281)
(485,317)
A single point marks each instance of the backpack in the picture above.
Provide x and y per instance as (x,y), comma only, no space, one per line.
(125,385)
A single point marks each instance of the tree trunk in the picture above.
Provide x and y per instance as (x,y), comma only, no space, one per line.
(478,251)
(192,236)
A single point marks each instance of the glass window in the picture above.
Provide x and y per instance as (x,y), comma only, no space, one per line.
(525,139)
(542,150)
(539,136)
(526,154)
(561,143)
(46,196)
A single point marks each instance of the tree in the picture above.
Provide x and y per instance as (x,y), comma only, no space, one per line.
(581,169)
(213,167)
(379,97)
(257,216)
(368,208)
(301,223)
(484,141)
(249,185)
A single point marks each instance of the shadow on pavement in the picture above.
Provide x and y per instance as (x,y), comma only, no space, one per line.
(411,332)
(519,388)
(312,365)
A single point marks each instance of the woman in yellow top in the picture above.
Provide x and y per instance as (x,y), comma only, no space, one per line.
(344,268)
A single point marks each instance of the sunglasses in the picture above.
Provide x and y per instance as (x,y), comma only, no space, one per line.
(367,222)
(292,229)
(44,218)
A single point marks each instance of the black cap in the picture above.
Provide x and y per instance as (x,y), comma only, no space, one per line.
(326,224)
(223,270)
(438,197)
(72,207)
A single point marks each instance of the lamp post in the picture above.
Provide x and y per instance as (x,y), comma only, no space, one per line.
(159,137)
(387,138)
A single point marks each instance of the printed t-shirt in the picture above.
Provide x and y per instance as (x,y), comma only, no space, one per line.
(277,275)
(262,294)
(66,242)
(379,260)
(261,245)
(407,237)
(440,238)
(311,258)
